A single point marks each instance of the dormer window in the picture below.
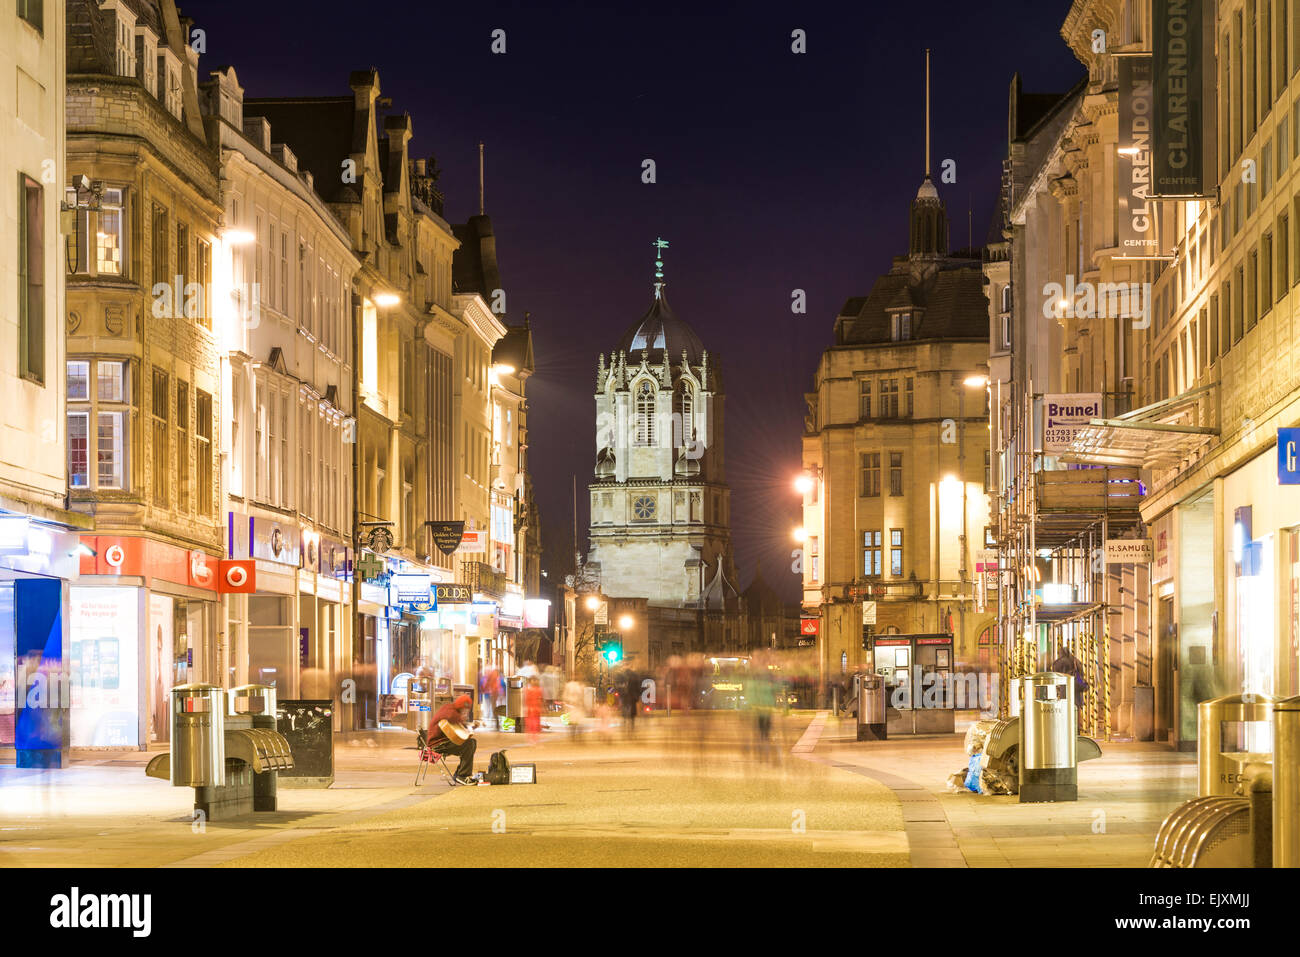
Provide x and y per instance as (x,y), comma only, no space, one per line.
(169,82)
(124,37)
(900,326)
(146,50)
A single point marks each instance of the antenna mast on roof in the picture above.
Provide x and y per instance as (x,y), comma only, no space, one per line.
(927,112)
(480,177)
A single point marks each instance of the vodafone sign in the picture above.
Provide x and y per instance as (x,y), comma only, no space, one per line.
(237,576)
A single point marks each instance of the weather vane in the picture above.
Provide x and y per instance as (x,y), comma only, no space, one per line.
(660,245)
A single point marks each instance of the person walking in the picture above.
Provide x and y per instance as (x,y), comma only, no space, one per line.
(533,709)
(631,698)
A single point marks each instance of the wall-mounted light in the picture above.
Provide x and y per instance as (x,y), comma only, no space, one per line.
(386,300)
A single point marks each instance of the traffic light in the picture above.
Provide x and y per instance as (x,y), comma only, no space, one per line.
(613,650)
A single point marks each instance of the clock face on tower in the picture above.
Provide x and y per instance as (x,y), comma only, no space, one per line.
(643,508)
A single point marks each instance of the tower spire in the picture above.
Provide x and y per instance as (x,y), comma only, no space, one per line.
(927,112)
(660,245)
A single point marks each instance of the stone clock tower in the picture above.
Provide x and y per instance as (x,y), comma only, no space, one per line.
(660,506)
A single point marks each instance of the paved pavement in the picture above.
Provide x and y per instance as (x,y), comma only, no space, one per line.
(683,792)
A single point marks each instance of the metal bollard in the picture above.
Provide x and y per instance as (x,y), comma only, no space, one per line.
(1286,783)
(1225,743)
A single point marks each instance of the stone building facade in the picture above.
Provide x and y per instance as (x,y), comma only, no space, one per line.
(660,506)
(895,454)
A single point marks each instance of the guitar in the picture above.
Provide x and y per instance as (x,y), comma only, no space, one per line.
(455,733)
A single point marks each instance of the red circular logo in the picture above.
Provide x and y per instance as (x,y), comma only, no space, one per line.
(236,576)
(115,555)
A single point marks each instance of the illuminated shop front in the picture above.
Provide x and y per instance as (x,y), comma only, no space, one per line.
(143,618)
(37,560)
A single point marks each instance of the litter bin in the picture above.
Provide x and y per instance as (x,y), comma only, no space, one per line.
(872,723)
(1049,769)
(1231,732)
(1286,783)
(198,752)
(257,703)
(515,700)
(419,703)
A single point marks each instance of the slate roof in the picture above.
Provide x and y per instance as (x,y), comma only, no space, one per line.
(948,303)
(474,265)
(515,348)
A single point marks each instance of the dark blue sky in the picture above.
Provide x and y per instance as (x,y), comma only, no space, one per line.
(776,171)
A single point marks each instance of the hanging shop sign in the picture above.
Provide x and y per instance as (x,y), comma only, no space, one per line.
(1288,456)
(1064,416)
(473,540)
(410,588)
(1182,44)
(447,536)
(809,626)
(1122,550)
(371,567)
(450,594)
(1138,221)
(237,576)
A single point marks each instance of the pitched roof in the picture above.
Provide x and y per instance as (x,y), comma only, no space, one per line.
(949,301)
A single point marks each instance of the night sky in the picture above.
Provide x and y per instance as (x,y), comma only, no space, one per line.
(775,171)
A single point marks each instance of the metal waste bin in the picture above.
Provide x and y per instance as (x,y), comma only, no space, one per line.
(872,722)
(515,700)
(1049,769)
(1286,783)
(252,699)
(419,703)
(198,728)
(1231,732)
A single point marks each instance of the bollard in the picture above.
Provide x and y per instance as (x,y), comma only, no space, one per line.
(1286,783)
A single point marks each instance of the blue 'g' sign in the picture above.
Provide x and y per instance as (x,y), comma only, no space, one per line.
(1288,456)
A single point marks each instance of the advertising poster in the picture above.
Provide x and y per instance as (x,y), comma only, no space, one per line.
(103,668)
(159,636)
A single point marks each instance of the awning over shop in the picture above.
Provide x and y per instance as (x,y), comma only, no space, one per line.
(1160,435)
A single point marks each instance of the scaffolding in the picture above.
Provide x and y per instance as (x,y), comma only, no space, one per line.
(1052,528)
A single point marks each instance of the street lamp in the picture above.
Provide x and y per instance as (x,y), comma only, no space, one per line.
(800,534)
(804,484)
(626,622)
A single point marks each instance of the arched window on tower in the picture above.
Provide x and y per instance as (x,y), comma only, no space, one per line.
(684,411)
(645,413)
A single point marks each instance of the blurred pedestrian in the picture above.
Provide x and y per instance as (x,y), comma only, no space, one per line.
(631,698)
(574,700)
(533,709)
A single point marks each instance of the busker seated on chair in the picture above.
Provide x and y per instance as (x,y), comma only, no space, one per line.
(456,715)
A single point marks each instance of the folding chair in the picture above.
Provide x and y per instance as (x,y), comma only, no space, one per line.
(431,755)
